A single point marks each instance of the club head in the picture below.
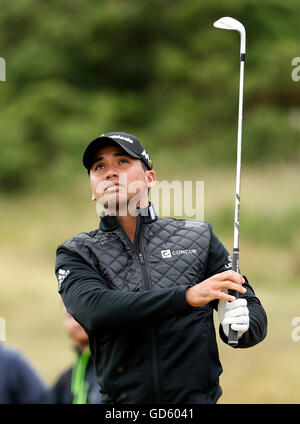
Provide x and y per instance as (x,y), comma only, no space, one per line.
(229,23)
(233,25)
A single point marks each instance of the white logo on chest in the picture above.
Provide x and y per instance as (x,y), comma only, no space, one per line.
(168,253)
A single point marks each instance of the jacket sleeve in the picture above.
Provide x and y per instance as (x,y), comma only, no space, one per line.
(258,320)
(89,300)
(219,261)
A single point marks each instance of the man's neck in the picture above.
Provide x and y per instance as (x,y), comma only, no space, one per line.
(129,225)
(129,220)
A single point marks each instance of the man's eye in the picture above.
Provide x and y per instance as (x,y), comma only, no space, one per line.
(123,161)
(99,166)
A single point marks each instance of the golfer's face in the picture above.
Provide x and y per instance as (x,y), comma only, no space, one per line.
(117,177)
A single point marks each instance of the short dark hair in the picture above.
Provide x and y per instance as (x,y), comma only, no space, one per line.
(145,169)
(144,166)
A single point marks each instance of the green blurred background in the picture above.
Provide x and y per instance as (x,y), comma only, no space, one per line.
(158,69)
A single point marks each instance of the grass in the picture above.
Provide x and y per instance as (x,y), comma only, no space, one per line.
(33,225)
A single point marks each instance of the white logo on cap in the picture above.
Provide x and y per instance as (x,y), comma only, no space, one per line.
(145,154)
(121,138)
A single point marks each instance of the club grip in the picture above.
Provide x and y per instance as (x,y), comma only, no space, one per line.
(233,335)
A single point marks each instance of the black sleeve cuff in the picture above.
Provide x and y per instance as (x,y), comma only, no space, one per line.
(180,295)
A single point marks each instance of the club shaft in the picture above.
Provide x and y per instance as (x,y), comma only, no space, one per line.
(233,336)
(239,161)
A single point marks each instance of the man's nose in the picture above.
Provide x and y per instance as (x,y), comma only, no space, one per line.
(111,172)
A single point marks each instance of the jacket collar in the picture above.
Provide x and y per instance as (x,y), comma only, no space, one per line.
(111,222)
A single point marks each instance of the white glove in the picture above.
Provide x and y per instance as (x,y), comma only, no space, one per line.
(235,313)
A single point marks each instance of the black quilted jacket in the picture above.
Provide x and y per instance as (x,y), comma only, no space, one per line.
(148,344)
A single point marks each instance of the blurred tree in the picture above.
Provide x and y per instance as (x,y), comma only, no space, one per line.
(156,68)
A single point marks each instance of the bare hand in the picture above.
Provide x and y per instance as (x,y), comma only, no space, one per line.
(213,288)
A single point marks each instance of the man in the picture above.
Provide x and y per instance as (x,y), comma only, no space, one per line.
(148,312)
(77,385)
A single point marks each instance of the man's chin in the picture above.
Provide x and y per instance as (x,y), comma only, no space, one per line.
(118,203)
(115,204)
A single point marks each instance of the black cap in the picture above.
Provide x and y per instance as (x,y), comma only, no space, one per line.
(128,142)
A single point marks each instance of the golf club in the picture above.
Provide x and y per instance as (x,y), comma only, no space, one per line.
(234,25)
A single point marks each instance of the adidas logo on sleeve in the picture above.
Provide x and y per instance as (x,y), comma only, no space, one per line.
(62,275)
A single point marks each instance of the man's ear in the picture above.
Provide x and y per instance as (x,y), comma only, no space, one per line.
(93,197)
(151,178)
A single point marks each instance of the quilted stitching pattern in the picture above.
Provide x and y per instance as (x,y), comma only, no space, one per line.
(187,243)
(179,269)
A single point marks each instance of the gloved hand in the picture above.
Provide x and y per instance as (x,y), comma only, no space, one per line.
(235,313)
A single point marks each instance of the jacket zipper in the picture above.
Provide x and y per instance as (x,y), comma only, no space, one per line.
(147,286)
(146,278)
